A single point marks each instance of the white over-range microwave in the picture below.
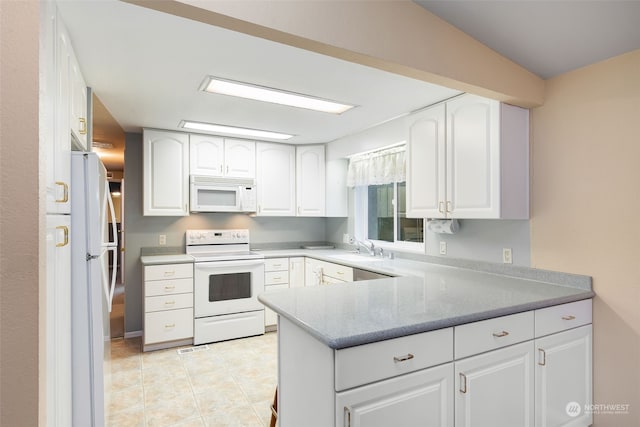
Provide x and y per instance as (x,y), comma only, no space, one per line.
(218,194)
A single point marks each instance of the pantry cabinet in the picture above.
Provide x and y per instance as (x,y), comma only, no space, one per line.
(310,180)
(216,156)
(276,179)
(165,173)
(468,158)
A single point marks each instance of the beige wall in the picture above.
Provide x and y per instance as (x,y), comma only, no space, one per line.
(585,204)
(20,221)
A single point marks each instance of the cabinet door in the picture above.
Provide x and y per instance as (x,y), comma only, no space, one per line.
(78,103)
(496,388)
(165,176)
(270,316)
(312,272)
(564,378)
(422,398)
(336,190)
(240,158)
(426,176)
(206,155)
(310,180)
(58,322)
(473,157)
(275,179)
(296,272)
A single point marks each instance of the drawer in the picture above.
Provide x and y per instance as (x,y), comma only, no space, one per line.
(167,287)
(561,317)
(276,278)
(338,271)
(276,264)
(169,325)
(168,271)
(367,363)
(168,302)
(478,337)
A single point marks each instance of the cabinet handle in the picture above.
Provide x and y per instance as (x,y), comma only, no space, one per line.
(169,287)
(169,302)
(299,209)
(340,272)
(404,358)
(500,334)
(65,238)
(83,126)
(170,325)
(277,278)
(347,417)
(169,273)
(277,265)
(441,207)
(65,192)
(568,317)
(463,383)
(449,206)
(227,169)
(543,357)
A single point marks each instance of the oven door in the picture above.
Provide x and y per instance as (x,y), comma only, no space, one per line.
(226,287)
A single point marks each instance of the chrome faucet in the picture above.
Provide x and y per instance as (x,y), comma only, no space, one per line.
(370,249)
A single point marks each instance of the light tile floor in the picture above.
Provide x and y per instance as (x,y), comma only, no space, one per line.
(229,384)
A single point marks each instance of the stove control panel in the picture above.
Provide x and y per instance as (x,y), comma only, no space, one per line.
(217,237)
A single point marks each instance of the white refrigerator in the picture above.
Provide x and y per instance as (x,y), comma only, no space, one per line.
(91,289)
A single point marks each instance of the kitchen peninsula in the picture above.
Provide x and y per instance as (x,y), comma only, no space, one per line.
(492,349)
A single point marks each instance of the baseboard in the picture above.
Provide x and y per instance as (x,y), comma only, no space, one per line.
(132,334)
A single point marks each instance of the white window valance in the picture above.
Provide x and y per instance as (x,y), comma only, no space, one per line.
(377,168)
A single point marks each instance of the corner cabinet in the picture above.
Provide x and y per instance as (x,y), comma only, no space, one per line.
(276,179)
(165,173)
(310,180)
(468,158)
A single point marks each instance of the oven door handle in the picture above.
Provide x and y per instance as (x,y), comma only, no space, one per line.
(213,265)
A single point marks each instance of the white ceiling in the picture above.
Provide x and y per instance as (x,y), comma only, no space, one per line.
(147,66)
(547,38)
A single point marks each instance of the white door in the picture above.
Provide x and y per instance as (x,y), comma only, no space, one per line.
(240,158)
(165,176)
(473,157)
(564,378)
(496,388)
(423,398)
(310,180)
(78,103)
(296,272)
(206,155)
(275,179)
(426,174)
(58,321)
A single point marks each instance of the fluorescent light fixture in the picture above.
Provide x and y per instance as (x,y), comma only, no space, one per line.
(210,127)
(276,96)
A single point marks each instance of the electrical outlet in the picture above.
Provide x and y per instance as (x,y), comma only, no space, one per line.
(163,240)
(507,256)
(443,248)
(346,238)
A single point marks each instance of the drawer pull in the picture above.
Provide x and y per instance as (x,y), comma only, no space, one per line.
(170,325)
(277,265)
(568,317)
(463,383)
(169,287)
(543,357)
(403,358)
(169,273)
(340,272)
(169,302)
(500,334)
(277,278)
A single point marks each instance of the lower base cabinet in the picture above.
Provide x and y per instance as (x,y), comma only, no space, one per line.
(422,398)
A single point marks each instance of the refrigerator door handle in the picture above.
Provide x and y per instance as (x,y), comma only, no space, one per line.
(114,272)
(109,202)
(110,285)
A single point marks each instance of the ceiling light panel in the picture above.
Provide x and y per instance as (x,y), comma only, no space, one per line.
(275,96)
(232,130)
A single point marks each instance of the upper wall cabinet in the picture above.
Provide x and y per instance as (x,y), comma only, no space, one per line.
(77,104)
(216,156)
(310,180)
(468,158)
(165,173)
(275,179)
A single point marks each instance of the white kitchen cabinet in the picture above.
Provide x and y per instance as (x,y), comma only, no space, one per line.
(168,306)
(78,104)
(58,321)
(468,158)
(310,180)
(421,398)
(275,179)
(336,190)
(296,272)
(276,278)
(312,272)
(165,173)
(319,272)
(496,388)
(216,156)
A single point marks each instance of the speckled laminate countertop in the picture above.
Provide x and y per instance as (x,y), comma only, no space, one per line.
(428,297)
